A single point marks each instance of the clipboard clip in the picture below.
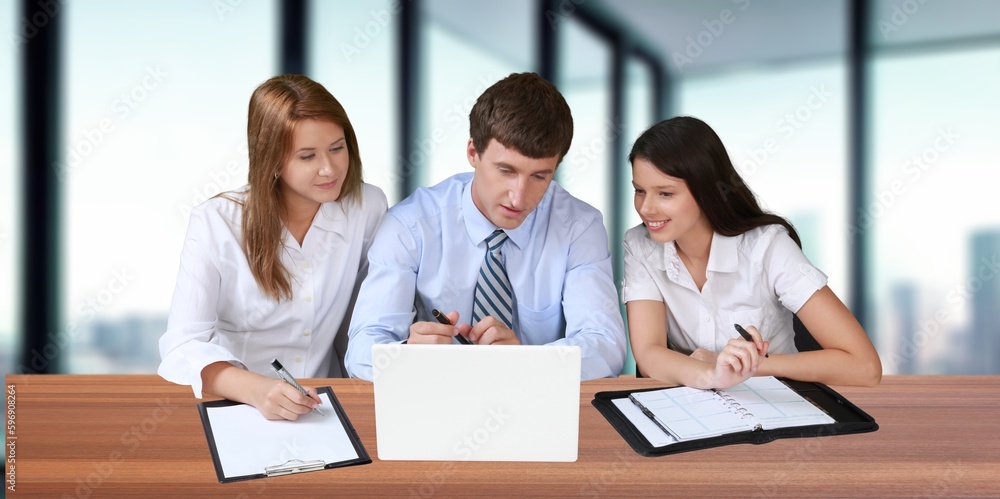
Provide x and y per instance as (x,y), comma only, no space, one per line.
(294,466)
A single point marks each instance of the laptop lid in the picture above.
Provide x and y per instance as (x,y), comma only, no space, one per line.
(477,403)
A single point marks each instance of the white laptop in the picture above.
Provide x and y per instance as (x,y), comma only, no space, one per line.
(477,403)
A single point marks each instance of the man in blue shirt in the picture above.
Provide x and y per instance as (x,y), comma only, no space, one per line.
(546,279)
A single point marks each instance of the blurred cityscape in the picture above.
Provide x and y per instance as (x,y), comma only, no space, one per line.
(104,346)
(926,342)
(774,78)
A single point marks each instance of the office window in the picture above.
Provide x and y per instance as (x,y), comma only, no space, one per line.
(155,103)
(352,53)
(785,130)
(932,211)
(468,46)
(639,115)
(10,191)
(584,77)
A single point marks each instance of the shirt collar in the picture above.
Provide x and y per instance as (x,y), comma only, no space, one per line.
(722,257)
(476,224)
(331,217)
(479,227)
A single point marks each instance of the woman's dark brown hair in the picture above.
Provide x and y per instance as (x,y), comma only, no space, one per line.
(688,149)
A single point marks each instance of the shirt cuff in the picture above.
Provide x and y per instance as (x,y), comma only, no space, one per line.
(634,293)
(184,364)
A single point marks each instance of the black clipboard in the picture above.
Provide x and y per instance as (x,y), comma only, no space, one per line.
(849,419)
(293,463)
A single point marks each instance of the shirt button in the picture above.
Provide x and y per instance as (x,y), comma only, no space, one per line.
(708,319)
(305,265)
(298,359)
(306,332)
(309,299)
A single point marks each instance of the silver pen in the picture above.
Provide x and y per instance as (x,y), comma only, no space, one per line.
(284,375)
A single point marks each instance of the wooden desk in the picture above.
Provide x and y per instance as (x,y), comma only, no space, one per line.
(138,436)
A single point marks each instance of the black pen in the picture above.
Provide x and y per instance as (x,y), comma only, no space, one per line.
(443,319)
(745,335)
(287,377)
(649,414)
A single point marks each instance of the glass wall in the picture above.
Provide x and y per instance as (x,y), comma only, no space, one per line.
(155,99)
(352,52)
(155,108)
(584,77)
(10,180)
(785,130)
(933,214)
(640,114)
(463,59)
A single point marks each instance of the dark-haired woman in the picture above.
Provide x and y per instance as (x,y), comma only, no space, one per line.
(707,258)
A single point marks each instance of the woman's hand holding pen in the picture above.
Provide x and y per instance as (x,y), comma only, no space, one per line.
(276,399)
(273,398)
(737,362)
(437,333)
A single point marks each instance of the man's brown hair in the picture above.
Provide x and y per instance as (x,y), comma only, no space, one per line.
(525,112)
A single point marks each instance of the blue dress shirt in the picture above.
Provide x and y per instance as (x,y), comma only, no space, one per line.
(427,253)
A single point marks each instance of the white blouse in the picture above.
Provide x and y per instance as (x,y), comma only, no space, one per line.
(759,278)
(218,312)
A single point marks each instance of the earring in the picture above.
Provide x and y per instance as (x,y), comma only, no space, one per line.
(276,175)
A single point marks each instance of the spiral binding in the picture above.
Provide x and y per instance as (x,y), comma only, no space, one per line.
(737,409)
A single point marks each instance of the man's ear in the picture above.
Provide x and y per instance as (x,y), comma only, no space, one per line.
(472,154)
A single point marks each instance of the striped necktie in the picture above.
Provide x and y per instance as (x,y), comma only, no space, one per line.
(494,296)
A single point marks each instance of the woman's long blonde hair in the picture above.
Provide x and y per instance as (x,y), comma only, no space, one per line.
(276,106)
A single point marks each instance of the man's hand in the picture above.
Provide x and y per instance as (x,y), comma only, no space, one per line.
(492,331)
(435,333)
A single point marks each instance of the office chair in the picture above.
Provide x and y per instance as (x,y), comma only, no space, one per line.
(804,340)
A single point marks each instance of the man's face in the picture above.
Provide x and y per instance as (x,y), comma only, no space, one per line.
(508,185)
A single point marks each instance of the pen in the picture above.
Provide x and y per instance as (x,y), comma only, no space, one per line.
(745,335)
(649,414)
(443,319)
(283,374)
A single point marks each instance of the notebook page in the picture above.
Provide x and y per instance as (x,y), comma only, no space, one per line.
(247,442)
(692,413)
(775,405)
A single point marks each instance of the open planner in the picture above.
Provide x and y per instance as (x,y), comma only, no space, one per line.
(245,445)
(670,420)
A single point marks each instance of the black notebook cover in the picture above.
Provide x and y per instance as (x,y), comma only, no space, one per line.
(849,419)
(352,435)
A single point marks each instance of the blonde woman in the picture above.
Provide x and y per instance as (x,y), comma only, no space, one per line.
(271,270)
